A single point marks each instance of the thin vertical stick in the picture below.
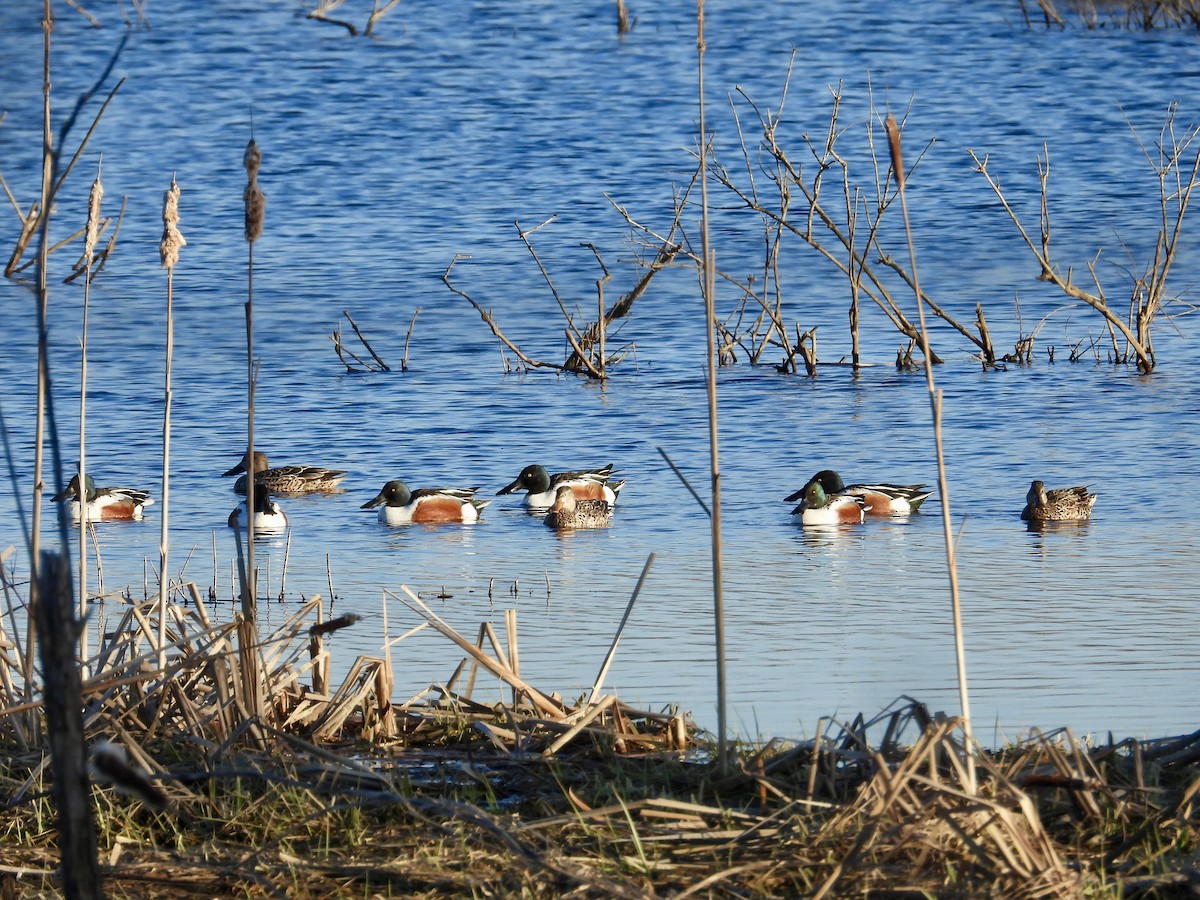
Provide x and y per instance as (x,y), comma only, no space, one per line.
(89,250)
(168,250)
(49,160)
(387,643)
(408,337)
(255,207)
(710,314)
(601,326)
(91,528)
(287,551)
(935,404)
(250,601)
(514,659)
(612,650)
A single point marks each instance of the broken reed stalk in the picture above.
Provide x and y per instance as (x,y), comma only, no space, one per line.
(612,650)
(543,703)
(287,552)
(623,26)
(408,338)
(683,478)
(935,404)
(168,251)
(383,365)
(380,10)
(255,203)
(707,268)
(92,231)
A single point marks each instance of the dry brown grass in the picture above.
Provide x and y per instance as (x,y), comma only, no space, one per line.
(336,790)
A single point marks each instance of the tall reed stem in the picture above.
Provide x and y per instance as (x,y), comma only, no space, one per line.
(89,251)
(255,204)
(708,270)
(43,373)
(168,250)
(935,403)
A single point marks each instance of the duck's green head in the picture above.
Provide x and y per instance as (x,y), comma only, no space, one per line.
(534,479)
(72,490)
(831,481)
(394,493)
(814,495)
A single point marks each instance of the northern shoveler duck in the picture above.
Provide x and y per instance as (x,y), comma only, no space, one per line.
(1073,504)
(104,504)
(571,512)
(878,499)
(287,479)
(819,508)
(269,516)
(542,487)
(426,506)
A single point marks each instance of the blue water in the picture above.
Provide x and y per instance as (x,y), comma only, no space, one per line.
(383,158)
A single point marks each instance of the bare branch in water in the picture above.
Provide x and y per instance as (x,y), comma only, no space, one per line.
(484,314)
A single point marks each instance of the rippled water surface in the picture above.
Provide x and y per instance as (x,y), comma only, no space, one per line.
(385,157)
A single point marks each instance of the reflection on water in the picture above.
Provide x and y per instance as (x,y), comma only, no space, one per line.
(377,180)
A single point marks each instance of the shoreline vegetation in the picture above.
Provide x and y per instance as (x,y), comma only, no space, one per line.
(337,790)
(185,755)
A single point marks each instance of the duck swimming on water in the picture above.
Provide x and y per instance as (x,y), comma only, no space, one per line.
(104,504)
(1073,504)
(287,479)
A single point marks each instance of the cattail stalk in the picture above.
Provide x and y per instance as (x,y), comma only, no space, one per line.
(89,254)
(168,251)
(708,270)
(935,403)
(255,204)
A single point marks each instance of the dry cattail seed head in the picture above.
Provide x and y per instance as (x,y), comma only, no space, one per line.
(93,219)
(893,134)
(256,206)
(254,198)
(172,240)
(252,159)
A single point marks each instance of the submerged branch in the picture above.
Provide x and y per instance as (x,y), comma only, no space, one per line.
(486,315)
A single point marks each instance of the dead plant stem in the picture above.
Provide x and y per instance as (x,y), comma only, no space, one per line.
(83,492)
(361,337)
(43,374)
(164,579)
(935,404)
(709,314)
(612,650)
(408,339)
